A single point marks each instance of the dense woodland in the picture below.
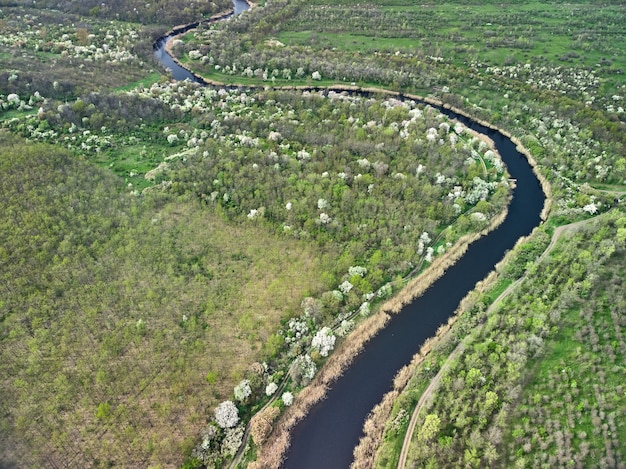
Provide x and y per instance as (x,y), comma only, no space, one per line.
(168,249)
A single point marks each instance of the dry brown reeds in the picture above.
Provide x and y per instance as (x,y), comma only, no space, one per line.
(261,424)
(365,452)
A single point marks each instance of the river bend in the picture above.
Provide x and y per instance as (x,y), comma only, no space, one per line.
(327,436)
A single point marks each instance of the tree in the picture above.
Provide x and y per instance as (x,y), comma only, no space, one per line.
(226,414)
(324,341)
(287,398)
(243,390)
(430,428)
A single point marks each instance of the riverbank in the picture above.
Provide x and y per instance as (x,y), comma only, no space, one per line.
(272,453)
(534,354)
(447,336)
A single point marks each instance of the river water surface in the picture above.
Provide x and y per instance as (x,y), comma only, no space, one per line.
(325,439)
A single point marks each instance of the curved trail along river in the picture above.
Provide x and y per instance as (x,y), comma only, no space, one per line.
(328,435)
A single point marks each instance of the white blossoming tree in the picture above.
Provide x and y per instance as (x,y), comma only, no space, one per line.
(324,341)
(243,390)
(270,389)
(303,369)
(357,270)
(226,414)
(324,218)
(287,398)
(345,287)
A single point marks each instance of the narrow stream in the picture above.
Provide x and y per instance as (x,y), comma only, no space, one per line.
(328,435)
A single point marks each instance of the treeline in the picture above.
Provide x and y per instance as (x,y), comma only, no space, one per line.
(167,12)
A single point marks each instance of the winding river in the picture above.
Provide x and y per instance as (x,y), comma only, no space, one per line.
(327,436)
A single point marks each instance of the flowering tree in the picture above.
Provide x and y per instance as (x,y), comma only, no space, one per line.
(271,389)
(232,441)
(227,414)
(357,270)
(242,390)
(304,369)
(345,287)
(287,398)
(324,341)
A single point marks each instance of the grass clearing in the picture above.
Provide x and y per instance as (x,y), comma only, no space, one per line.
(145,82)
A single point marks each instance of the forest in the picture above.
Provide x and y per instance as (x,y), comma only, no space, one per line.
(180,261)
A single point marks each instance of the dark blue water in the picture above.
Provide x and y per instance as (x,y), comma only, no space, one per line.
(328,435)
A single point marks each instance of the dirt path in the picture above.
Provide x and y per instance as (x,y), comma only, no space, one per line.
(428,392)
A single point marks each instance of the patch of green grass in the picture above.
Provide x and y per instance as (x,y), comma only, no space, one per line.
(348,41)
(15,113)
(497,289)
(609,187)
(145,82)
